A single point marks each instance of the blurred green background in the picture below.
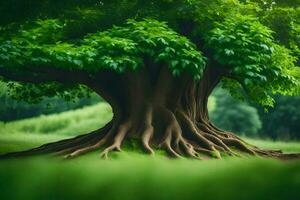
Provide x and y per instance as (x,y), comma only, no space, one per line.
(133,175)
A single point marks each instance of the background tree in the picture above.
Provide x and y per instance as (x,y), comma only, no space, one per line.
(282,121)
(154,62)
(235,116)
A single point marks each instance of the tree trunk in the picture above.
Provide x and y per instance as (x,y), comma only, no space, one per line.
(161,111)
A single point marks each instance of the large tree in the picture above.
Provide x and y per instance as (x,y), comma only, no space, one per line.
(155,62)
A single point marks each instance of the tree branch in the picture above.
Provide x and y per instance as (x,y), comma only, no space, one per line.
(44,74)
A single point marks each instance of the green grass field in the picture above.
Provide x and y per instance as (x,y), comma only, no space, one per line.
(132,175)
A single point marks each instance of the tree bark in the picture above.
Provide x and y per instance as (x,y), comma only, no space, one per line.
(161,111)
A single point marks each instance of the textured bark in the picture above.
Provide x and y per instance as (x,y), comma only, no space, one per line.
(161,111)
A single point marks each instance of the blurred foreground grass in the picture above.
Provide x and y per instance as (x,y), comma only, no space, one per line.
(132,175)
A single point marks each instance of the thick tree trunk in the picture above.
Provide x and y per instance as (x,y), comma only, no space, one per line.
(162,112)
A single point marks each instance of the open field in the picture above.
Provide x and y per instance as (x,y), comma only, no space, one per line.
(131,174)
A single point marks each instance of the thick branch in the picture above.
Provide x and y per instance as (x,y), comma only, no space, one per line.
(44,74)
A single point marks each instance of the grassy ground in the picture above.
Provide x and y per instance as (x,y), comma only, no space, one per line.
(132,175)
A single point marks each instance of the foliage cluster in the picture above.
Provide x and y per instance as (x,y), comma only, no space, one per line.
(255,41)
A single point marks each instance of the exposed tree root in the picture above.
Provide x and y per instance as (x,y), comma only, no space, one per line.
(118,139)
(146,137)
(180,137)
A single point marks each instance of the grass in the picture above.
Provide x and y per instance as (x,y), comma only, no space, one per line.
(69,123)
(132,175)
